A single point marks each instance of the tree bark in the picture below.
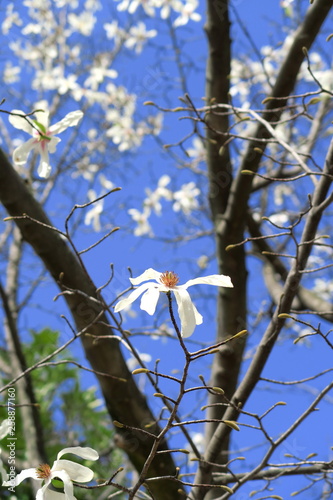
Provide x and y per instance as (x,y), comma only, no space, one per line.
(229,202)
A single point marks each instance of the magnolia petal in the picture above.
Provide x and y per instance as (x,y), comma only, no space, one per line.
(50,495)
(44,167)
(132,297)
(68,488)
(149,274)
(149,300)
(52,144)
(83,452)
(68,485)
(214,279)
(70,120)
(76,472)
(21,477)
(186,311)
(19,122)
(21,153)
(198,316)
(42,493)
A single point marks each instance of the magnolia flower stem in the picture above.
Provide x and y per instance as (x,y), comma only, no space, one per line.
(172,316)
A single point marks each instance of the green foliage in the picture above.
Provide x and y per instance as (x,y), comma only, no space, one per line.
(71,414)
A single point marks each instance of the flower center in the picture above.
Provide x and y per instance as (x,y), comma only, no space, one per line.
(43,471)
(169,279)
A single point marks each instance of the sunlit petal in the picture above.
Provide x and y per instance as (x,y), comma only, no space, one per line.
(20,122)
(186,312)
(149,274)
(214,279)
(21,153)
(80,451)
(70,120)
(132,297)
(44,167)
(76,472)
(21,477)
(149,300)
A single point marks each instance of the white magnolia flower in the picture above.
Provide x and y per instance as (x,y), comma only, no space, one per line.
(168,282)
(186,198)
(83,23)
(11,73)
(141,218)
(166,6)
(132,362)
(198,151)
(43,138)
(138,35)
(93,215)
(66,470)
(97,76)
(152,201)
(12,17)
(187,13)
(132,5)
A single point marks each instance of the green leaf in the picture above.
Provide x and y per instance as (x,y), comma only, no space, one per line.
(40,126)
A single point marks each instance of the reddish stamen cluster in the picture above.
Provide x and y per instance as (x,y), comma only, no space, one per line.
(43,471)
(169,279)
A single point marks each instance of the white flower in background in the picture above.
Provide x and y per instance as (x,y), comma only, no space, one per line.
(66,470)
(93,215)
(141,218)
(203,261)
(47,78)
(324,288)
(121,99)
(85,168)
(11,18)
(5,429)
(92,5)
(11,73)
(287,6)
(132,362)
(155,123)
(166,6)
(43,138)
(123,134)
(113,31)
(105,183)
(185,198)
(83,23)
(284,192)
(138,35)
(186,12)
(280,218)
(62,3)
(198,151)
(168,282)
(131,6)
(152,201)
(97,76)
(66,84)
(199,441)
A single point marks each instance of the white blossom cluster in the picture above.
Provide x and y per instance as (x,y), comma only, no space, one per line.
(246,73)
(185,11)
(183,200)
(49,44)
